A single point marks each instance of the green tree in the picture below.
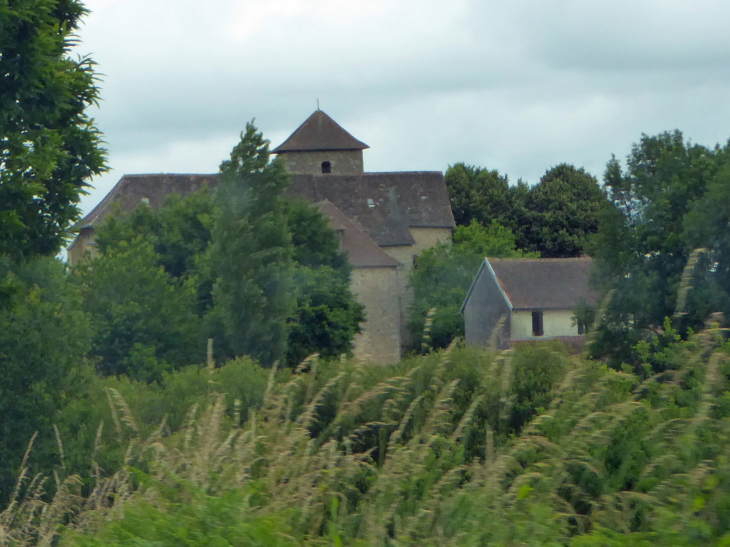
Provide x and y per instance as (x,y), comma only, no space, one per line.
(560,213)
(554,217)
(478,194)
(644,243)
(180,233)
(315,243)
(252,252)
(707,226)
(144,322)
(44,336)
(444,273)
(326,316)
(49,147)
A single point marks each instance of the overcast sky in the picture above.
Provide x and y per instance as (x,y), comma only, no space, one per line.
(516,85)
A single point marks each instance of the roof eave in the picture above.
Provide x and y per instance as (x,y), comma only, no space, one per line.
(281,150)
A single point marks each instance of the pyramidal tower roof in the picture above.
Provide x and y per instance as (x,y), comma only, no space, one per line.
(319,133)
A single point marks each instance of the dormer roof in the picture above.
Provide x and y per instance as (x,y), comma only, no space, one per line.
(319,133)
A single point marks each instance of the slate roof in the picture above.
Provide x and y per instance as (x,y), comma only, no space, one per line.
(399,200)
(129,192)
(319,132)
(543,283)
(362,251)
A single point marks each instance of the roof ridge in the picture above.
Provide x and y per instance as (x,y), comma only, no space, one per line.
(131,175)
(538,259)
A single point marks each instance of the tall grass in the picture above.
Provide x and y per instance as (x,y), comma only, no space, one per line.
(459,447)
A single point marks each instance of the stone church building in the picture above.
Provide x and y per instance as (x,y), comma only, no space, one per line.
(385,220)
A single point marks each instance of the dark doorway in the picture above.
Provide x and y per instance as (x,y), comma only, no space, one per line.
(537,323)
(326,167)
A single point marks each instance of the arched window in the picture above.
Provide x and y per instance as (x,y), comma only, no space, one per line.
(326,167)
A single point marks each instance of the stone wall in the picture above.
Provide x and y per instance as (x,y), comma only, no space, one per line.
(342,162)
(405,254)
(84,242)
(377,289)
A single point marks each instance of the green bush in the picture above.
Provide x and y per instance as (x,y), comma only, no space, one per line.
(241,381)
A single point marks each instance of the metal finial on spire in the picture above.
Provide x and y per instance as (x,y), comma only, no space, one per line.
(318,103)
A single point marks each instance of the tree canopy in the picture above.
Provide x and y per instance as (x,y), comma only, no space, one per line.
(144,322)
(669,200)
(555,217)
(44,336)
(478,194)
(327,317)
(49,147)
(559,214)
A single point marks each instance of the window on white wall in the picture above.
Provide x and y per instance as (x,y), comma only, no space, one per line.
(537,325)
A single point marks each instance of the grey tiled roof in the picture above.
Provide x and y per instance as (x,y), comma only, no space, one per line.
(131,190)
(319,132)
(385,205)
(362,251)
(544,283)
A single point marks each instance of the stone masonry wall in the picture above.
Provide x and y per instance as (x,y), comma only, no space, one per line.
(425,238)
(84,242)
(377,289)
(342,162)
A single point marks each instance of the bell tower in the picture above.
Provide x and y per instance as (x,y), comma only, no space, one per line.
(320,146)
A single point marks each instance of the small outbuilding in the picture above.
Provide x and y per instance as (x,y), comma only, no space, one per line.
(527,299)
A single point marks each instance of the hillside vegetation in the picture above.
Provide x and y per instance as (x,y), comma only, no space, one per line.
(460,447)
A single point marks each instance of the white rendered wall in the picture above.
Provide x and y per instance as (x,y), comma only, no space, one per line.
(555,323)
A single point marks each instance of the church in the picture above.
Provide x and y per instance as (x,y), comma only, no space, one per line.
(384,220)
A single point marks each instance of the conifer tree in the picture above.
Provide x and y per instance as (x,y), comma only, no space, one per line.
(252,252)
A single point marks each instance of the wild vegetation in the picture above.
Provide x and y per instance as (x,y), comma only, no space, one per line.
(118,428)
(459,447)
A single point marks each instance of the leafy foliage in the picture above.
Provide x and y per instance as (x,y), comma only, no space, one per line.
(706,227)
(326,315)
(144,323)
(560,213)
(44,335)
(646,240)
(252,252)
(49,147)
(478,194)
(180,233)
(87,414)
(555,217)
